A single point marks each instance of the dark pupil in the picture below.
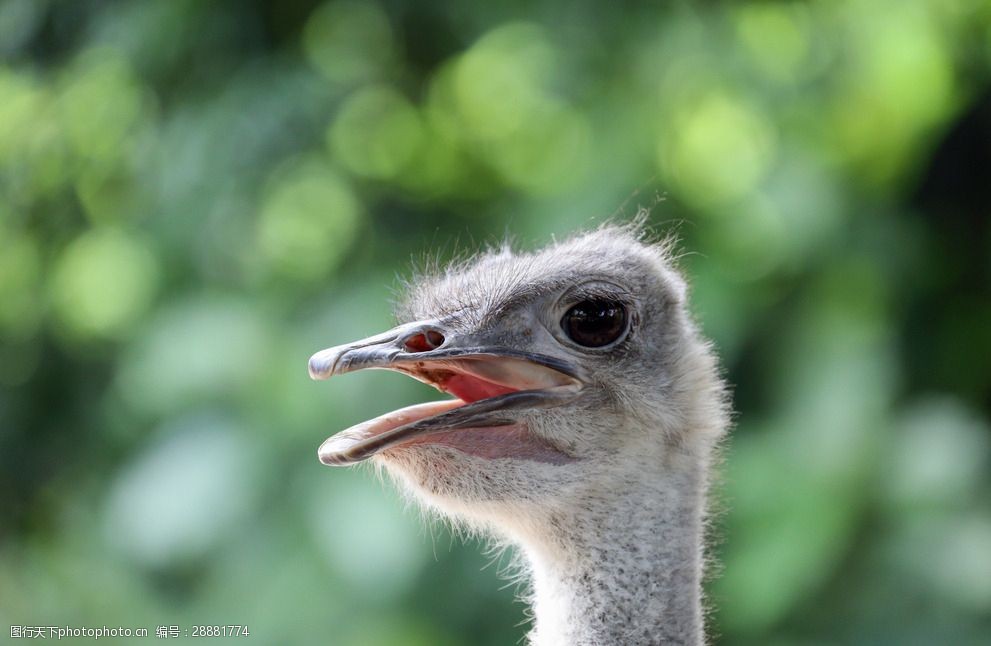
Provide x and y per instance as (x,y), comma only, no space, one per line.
(594,323)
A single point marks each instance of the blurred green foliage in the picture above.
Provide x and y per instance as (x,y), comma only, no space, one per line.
(194,196)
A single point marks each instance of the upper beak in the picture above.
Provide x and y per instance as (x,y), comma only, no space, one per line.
(425,346)
(490,378)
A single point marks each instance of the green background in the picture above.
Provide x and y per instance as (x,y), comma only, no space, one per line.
(195,196)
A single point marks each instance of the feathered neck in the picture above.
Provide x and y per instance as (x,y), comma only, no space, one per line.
(623,567)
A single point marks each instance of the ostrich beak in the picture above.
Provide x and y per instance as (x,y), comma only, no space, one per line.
(492,383)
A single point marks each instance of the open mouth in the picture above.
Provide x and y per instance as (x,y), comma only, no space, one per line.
(492,388)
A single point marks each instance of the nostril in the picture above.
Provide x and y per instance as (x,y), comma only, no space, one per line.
(416,343)
(424,341)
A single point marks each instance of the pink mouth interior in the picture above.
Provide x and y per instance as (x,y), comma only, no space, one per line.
(471,389)
(489,442)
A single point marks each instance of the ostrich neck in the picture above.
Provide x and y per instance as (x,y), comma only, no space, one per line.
(626,568)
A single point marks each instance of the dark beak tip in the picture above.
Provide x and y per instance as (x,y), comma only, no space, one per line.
(336,452)
(326,457)
(332,459)
(318,367)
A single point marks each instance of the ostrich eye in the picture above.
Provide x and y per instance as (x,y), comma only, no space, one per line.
(594,323)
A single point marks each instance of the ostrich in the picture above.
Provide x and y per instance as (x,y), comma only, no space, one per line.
(586,412)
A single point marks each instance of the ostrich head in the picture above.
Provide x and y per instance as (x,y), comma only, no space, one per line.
(575,371)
